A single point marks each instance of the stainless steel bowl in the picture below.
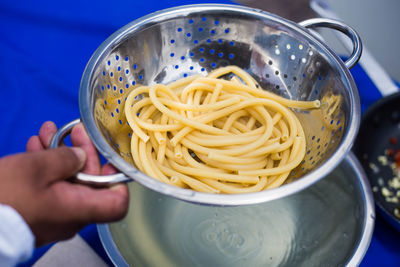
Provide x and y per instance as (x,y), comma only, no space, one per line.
(328,224)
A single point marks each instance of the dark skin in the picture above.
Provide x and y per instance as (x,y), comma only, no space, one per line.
(36,184)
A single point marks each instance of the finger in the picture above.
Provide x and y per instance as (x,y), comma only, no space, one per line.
(108,205)
(80,139)
(53,164)
(108,169)
(34,144)
(46,133)
(90,205)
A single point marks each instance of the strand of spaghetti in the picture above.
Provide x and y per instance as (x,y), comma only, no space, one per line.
(196,100)
(135,152)
(261,93)
(232,152)
(206,119)
(162,145)
(276,156)
(235,151)
(207,99)
(169,153)
(229,189)
(251,122)
(233,131)
(191,182)
(272,147)
(235,79)
(277,170)
(197,107)
(146,110)
(149,126)
(199,124)
(194,86)
(216,93)
(189,101)
(175,116)
(233,167)
(212,175)
(259,142)
(183,82)
(284,130)
(175,180)
(276,133)
(178,151)
(236,160)
(233,117)
(291,118)
(157,134)
(282,162)
(232,140)
(256,131)
(235,70)
(278,181)
(152,164)
(237,128)
(145,161)
(161,152)
(128,113)
(195,164)
(254,102)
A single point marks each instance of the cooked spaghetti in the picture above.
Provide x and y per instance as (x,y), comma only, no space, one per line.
(216,135)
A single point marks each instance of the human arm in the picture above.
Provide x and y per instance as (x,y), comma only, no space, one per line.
(36,184)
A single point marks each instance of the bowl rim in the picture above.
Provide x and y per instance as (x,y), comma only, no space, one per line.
(360,249)
(207,198)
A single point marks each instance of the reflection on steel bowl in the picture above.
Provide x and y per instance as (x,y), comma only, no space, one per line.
(328,224)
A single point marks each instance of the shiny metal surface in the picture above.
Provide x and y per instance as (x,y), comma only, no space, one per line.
(281,55)
(340,26)
(328,224)
(61,133)
(84,178)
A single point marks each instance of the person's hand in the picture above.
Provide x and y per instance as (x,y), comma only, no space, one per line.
(36,185)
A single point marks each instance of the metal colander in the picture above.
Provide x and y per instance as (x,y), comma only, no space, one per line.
(284,57)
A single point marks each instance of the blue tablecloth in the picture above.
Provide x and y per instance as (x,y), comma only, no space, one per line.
(44,47)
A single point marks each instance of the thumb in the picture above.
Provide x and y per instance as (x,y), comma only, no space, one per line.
(55,164)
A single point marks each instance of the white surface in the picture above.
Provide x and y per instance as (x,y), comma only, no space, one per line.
(379,76)
(378,24)
(73,252)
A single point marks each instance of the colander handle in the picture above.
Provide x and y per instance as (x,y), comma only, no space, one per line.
(96,180)
(340,26)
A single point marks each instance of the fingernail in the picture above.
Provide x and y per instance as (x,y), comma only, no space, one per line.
(80,154)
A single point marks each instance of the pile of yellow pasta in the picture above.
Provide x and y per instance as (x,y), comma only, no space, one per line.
(215,135)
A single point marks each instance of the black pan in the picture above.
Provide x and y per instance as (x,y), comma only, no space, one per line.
(379,135)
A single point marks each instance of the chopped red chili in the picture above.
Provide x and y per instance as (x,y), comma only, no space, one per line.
(397,158)
(393,140)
